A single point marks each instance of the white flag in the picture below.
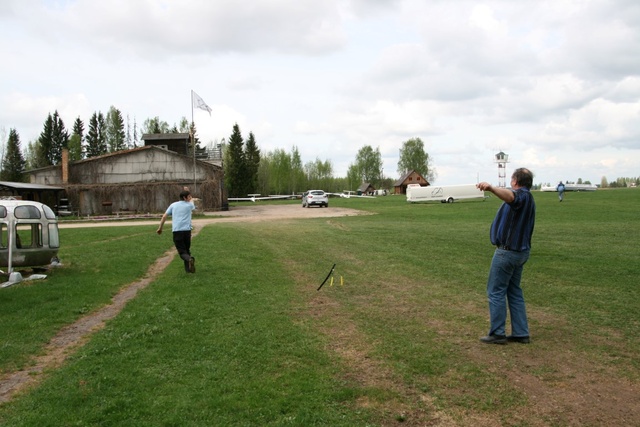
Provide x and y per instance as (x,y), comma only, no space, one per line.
(199,103)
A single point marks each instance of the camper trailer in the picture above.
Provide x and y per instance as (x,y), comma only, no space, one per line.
(444,193)
(28,234)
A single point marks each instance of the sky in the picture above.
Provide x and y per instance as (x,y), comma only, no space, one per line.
(553,84)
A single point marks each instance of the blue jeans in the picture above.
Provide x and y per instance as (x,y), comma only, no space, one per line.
(503,288)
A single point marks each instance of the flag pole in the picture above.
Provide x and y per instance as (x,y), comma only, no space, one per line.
(193,144)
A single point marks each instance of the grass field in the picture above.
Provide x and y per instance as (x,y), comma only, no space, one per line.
(249,341)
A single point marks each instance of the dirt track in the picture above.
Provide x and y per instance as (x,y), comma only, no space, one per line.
(73,336)
(249,213)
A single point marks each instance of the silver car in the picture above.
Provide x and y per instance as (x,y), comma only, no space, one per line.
(315,197)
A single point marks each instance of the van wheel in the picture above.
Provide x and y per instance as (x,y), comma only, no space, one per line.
(450,200)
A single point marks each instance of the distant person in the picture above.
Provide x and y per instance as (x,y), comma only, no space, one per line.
(180,212)
(510,233)
(560,189)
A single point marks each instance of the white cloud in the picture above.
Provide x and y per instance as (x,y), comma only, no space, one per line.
(167,28)
(555,84)
(624,90)
(482,16)
(598,124)
(18,110)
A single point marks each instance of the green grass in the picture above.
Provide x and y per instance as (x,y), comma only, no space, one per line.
(248,340)
(96,264)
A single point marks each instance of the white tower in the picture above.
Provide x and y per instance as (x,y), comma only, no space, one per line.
(502,159)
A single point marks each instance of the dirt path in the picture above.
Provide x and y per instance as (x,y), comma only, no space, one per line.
(245,213)
(73,336)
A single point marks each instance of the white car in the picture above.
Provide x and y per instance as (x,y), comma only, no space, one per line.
(315,197)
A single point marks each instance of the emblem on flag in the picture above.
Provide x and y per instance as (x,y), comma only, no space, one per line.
(199,103)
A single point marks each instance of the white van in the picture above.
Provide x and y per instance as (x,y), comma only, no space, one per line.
(444,193)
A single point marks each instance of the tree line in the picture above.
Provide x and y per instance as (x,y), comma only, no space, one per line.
(621,182)
(247,170)
(106,133)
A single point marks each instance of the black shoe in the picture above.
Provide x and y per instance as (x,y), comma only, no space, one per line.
(521,340)
(494,339)
(192,265)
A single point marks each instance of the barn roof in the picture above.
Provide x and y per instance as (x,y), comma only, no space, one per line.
(27,191)
(118,153)
(406,175)
(11,186)
(365,186)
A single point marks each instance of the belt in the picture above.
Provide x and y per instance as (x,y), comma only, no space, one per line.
(506,248)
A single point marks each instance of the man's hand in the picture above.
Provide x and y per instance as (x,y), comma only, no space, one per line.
(162,220)
(484,186)
(504,194)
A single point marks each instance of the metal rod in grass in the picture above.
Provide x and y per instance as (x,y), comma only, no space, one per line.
(326,278)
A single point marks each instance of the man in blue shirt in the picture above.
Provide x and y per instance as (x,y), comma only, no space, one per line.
(180,212)
(510,233)
(560,189)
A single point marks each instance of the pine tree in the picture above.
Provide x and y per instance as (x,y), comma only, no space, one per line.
(13,161)
(78,127)
(297,171)
(92,136)
(96,144)
(193,136)
(60,139)
(44,145)
(235,166)
(102,137)
(252,162)
(75,141)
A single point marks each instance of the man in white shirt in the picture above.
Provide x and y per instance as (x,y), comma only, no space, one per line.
(180,212)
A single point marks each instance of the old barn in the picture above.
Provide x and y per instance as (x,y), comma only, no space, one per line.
(140,180)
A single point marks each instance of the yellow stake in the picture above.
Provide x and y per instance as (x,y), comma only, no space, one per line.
(331,283)
(341,281)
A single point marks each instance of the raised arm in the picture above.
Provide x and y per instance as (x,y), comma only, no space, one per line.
(504,194)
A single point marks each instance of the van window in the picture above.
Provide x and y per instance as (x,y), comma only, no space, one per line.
(28,236)
(3,211)
(48,213)
(27,212)
(54,236)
